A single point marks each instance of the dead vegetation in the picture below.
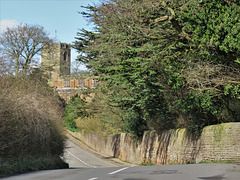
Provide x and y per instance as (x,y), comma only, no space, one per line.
(30,119)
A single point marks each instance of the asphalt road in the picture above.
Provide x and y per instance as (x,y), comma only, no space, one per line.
(78,157)
(168,172)
(86,166)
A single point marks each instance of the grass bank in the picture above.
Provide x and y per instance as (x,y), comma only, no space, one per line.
(21,165)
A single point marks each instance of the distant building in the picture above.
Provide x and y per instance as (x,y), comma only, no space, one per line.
(56,63)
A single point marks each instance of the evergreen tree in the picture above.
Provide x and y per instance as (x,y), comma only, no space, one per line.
(166,59)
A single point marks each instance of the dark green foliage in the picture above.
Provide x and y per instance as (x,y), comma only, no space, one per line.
(215,28)
(74,109)
(166,60)
(148,163)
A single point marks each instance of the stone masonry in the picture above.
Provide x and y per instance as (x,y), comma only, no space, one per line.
(56,63)
(216,143)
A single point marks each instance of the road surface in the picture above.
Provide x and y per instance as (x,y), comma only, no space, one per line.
(86,166)
(77,157)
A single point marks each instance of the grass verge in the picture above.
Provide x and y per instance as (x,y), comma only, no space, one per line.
(22,165)
(148,163)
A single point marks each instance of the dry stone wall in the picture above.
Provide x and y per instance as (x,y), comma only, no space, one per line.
(216,143)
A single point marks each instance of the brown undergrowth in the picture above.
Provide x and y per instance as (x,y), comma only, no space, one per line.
(31,122)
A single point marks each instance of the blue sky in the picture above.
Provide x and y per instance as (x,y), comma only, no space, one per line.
(54,15)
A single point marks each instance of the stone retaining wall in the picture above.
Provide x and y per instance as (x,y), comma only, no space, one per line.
(216,143)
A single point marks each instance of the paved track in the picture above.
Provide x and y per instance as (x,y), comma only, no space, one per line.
(79,158)
(170,172)
(86,166)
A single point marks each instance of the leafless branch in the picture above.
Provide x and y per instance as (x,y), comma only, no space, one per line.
(23,43)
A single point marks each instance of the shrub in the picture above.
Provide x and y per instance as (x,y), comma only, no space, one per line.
(75,108)
(94,114)
(30,118)
(21,165)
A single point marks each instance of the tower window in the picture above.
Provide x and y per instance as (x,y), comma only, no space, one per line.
(65,56)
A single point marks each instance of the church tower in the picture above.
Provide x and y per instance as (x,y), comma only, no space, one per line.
(65,59)
(56,61)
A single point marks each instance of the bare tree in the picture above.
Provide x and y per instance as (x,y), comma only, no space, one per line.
(76,70)
(6,65)
(22,44)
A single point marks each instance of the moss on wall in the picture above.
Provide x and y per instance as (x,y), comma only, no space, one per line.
(216,143)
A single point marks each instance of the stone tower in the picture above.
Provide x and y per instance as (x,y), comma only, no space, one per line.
(56,61)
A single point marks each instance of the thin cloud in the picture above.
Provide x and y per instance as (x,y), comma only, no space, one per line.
(5,23)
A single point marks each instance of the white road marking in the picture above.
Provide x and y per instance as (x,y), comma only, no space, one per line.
(114,172)
(93,178)
(80,159)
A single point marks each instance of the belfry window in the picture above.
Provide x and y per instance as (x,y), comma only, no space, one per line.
(65,56)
